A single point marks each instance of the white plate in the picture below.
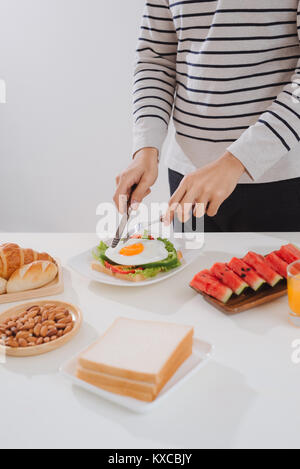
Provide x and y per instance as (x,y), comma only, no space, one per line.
(202,352)
(82,264)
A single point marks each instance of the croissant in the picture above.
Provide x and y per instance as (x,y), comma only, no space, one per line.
(12,257)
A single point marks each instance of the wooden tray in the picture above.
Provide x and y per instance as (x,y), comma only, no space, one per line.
(53,288)
(249,299)
(45,348)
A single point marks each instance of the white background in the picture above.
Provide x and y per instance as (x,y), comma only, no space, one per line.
(65,131)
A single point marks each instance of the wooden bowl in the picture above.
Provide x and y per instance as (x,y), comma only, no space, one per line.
(44,348)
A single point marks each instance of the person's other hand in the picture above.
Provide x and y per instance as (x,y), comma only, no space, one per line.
(205,190)
(142,173)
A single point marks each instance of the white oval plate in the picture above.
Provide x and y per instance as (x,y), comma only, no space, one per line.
(202,352)
(82,264)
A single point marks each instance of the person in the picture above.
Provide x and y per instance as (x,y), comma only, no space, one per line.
(227,73)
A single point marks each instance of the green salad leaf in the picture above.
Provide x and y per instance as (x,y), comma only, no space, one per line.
(99,253)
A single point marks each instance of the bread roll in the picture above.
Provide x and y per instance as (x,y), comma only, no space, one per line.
(31,276)
(3,284)
(12,257)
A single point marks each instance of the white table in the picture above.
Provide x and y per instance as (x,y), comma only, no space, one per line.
(247,396)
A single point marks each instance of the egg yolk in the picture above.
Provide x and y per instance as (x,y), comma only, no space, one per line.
(132,250)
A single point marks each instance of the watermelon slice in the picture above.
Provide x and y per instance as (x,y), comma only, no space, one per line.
(258,262)
(287,255)
(229,278)
(279,265)
(207,283)
(294,250)
(246,273)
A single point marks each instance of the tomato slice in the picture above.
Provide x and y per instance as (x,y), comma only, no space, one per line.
(139,236)
(119,269)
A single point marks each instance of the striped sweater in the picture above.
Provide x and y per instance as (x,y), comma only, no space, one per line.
(227,73)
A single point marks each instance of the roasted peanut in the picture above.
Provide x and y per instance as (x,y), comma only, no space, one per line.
(37,330)
(31,340)
(49,323)
(61,310)
(33,314)
(44,316)
(51,316)
(10,342)
(52,332)
(44,331)
(11,324)
(59,316)
(68,329)
(22,335)
(27,326)
(61,325)
(23,342)
(62,321)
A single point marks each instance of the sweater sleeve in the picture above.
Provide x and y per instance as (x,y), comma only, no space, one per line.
(276,132)
(155,76)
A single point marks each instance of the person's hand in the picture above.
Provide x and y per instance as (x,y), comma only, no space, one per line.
(142,173)
(205,190)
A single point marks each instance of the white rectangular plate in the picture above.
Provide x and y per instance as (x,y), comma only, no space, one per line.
(82,264)
(202,352)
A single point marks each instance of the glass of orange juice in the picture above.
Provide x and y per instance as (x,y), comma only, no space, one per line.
(293,272)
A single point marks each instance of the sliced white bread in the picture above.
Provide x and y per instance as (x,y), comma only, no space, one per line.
(32,276)
(96,265)
(131,388)
(145,351)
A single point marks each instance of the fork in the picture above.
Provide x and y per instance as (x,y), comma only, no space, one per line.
(142,226)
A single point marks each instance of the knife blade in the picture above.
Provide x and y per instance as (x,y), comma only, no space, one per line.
(121,228)
(124,220)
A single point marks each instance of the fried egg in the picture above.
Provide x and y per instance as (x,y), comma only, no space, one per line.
(137,252)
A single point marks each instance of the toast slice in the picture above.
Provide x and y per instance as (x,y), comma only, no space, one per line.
(140,390)
(136,358)
(96,265)
(138,350)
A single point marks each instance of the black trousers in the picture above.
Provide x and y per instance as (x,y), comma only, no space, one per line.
(273,206)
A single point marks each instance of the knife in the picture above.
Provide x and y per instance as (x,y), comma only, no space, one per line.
(124,221)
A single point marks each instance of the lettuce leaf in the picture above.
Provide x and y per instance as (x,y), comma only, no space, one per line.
(99,252)
(171,262)
(148,273)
